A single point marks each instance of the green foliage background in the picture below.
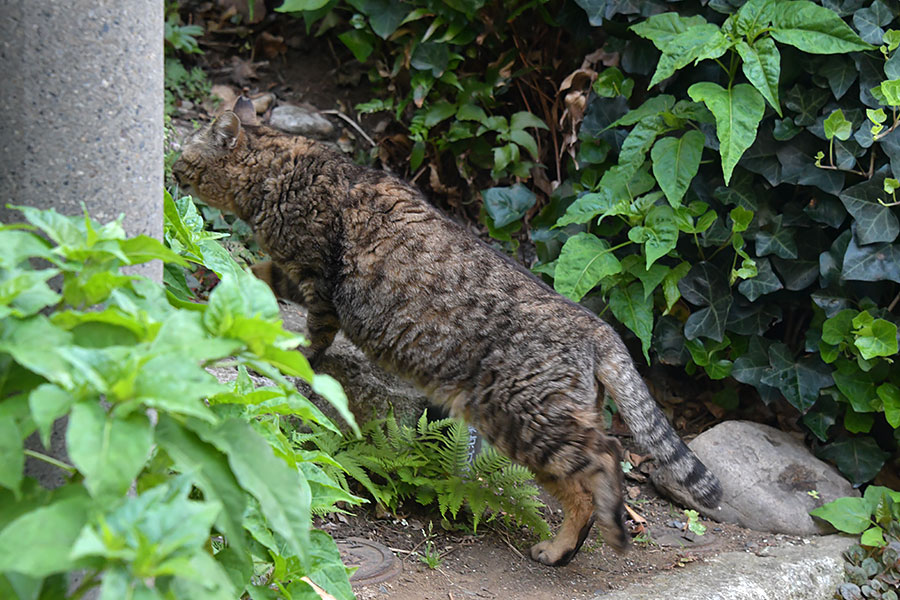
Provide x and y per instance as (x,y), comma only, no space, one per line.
(730,194)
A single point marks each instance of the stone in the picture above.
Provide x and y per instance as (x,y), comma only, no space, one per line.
(301,120)
(810,571)
(770,480)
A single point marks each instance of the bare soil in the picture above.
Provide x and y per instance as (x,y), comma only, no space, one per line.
(495,563)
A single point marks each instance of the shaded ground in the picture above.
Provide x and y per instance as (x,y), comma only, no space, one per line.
(495,563)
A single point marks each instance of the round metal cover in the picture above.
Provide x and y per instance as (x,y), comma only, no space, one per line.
(376,562)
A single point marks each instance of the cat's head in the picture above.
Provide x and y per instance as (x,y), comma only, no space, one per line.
(208,161)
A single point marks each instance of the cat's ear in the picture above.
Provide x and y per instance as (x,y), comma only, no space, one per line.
(243,108)
(226,129)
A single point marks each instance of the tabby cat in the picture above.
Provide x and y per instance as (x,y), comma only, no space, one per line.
(426,300)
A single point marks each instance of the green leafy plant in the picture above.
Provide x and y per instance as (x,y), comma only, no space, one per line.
(179,82)
(696,215)
(430,463)
(125,361)
(430,556)
(873,569)
(693,522)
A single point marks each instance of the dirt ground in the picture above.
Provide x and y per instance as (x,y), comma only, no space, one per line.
(495,563)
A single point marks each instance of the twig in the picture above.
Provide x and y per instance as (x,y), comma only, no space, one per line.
(50,460)
(353,123)
(894,302)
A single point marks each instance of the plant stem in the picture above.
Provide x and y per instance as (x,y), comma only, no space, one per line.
(87,584)
(51,460)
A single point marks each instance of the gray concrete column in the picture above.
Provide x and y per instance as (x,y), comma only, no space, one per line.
(81,110)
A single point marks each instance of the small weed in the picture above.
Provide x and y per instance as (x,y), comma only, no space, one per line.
(693,522)
(430,555)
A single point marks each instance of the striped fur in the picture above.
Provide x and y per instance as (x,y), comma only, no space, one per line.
(483,337)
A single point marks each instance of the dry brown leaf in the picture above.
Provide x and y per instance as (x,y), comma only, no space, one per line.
(270,46)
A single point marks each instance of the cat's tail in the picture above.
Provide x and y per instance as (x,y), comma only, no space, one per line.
(652,431)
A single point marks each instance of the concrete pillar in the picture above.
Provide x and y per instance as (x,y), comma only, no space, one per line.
(81,110)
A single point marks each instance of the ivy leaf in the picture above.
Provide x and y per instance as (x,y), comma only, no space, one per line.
(870,20)
(805,102)
(764,283)
(890,399)
(874,262)
(705,285)
(874,221)
(814,29)
(635,311)
(675,163)
(877,337)
(798,380)
(359,42)
(508,204)
(761,64)
(840,72)
(856,385)
(836,125)
(384,16)
(780,242)
(430,56)
(738,112)
(584,260)
(858,458)
(796,274)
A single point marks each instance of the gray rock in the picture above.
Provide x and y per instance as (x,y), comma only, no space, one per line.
(811,571)
(766,478)
(302,120)
(370,391)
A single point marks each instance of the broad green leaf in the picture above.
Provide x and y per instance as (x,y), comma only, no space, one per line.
(661,233)
(675,162)
(634,310)
(208,469)
(327,569)
(283,495)
(650,277)
(359,42)
(439,111)
(617,187)
(840,72)
(583,261)
(670,284)
(142,248)
(761,64)
(301,5)
(874,536)
(38,543)
(814,29)
(508,204)
(836,125)
(738,112)
(524,139)
(430,56)
(837,329)
(661,29)
(13,462)
(798,380)
(858,458)
(19,246)
(700,42)
(890,398)
(850,515)
(753,17)
(855,422)
(25,293)
(706,286)
(108,451)
(48,402)
(384,16)
(635,147)
(33,342)
(651,108)
(523,119)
